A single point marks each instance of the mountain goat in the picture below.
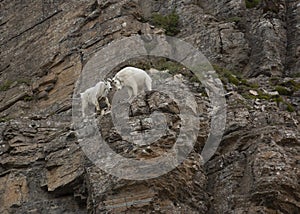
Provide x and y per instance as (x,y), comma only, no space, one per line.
(91,96)
(134,79)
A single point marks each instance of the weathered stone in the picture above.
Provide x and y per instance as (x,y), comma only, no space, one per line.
(62,169)
(15,191)
(49,79)
(13,96)
(42,95)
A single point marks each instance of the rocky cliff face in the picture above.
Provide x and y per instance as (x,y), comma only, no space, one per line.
(253,45)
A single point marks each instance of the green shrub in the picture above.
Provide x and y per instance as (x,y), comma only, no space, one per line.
(225,73)
(293,84)
(248,96)
(263,96)
(254,85)
(232,79)
(244,82)
(4,119)
(283,90)
(28,98)
(141,65)
(289,107)
(235,19)
(252,3)
(172,67)
(274,80)
(195,79)
(296,75)
(278,99)
(169,22)
(24,80)
(144,20)
(6,85)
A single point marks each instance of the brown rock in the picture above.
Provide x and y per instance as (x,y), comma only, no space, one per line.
(63,170)
(15,191)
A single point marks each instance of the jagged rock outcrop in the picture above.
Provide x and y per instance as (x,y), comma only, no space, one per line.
(256,50)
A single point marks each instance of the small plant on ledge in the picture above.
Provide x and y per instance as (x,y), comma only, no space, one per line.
(251,3)
(168,22)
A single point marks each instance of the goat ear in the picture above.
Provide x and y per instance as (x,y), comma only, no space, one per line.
(109,79)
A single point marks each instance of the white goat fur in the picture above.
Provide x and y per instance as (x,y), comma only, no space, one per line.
(134,79)
(91,96)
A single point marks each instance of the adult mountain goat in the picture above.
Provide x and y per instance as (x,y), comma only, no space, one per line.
(134,79)
(91,96)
